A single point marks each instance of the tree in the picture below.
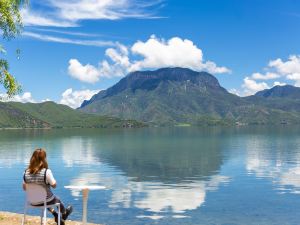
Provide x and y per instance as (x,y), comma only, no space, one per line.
(11,26)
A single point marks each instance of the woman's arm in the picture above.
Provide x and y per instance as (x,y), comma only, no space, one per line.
(24,186)
(50,179)
(53,185)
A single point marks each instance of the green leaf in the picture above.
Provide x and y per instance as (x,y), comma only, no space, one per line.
(10,84)
(11,26)
(2,50)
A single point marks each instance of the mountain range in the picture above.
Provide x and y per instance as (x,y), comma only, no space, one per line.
(168,96)
(180,96)
(52,115)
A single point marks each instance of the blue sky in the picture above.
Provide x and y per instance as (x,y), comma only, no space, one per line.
(72,49)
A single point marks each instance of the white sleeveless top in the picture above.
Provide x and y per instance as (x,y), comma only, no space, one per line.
(44,178)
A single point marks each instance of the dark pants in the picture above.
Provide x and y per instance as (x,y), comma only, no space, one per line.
(54,201)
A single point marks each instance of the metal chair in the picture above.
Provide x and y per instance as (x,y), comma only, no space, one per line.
(37,194)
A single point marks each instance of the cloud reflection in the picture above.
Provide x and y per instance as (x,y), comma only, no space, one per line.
(14,154)
(84,154)
(83,180)
(159,198)
(280,165)
(155,199)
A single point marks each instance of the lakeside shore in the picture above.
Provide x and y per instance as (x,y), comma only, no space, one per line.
(15,219)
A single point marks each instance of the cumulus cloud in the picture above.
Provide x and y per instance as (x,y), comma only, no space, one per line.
(69,97)
(290,68)
(277,83)
(75,98)
(234,91)
(267,76)
(46,100)
(287,71)
(65,13)
(171,53)
(118,63)
(152,54)
(86,73)
(24,98)
(250,86)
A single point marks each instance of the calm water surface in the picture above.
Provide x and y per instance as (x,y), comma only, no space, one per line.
(165,175)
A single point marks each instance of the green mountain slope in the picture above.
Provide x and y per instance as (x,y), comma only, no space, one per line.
(12,117)
(181,96)
(286,91)
(52,115)
(285,98)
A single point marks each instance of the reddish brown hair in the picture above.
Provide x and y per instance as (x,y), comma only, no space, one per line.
(38,161)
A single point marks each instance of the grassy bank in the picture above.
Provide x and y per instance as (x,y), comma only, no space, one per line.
(7,218)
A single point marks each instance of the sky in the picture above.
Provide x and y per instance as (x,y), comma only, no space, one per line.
(72,49)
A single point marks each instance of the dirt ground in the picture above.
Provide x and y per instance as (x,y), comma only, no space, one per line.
(7,218)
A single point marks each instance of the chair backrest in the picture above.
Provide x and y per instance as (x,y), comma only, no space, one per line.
(35,193)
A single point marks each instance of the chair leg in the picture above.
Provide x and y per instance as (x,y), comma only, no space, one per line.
(45,216)
(42,213)
(24,216)
(59,214)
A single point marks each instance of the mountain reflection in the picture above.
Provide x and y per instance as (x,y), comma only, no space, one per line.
(208,176)
(160,173)
(170,156)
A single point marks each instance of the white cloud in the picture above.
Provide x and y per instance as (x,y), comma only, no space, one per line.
(290,68)
(65,13)
(251,86)
(175,52)
(75,98)
(277,83)
(120,65)
(69,97)
(154,53)
(234,91)
(24,98)
(49,38)
(31,18)
(70,33)
(87,73)
(267,76)
(161,53)
(287,71)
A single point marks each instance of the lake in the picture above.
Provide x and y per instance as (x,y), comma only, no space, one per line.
(215,175)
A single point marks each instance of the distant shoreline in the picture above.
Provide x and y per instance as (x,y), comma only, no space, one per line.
(15,219)
(25,128)
(59,128)
(183,125)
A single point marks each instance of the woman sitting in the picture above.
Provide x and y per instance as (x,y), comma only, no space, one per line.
(38,173)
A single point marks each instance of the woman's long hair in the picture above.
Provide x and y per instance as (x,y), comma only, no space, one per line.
(38,161)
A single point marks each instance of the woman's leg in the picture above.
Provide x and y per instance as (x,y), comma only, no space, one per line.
(65,212)
(54,201)
(61,205)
